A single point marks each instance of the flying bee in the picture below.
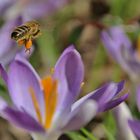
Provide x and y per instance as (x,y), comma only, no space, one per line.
(24,34)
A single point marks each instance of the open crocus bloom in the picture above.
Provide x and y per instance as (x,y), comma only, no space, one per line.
(48,107)
(121,49)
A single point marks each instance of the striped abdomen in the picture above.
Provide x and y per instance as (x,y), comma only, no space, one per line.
(20,32)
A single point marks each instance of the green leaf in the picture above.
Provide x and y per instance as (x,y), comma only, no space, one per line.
(109,126)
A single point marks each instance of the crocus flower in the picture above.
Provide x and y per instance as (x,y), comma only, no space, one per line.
(122,115)
(121,49)
(47,108)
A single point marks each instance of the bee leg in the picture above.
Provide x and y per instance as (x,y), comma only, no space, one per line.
(28,45)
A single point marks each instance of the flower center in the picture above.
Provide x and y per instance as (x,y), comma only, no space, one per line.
(50,99)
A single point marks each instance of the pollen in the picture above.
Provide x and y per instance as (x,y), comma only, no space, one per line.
(21,42)
(28,45)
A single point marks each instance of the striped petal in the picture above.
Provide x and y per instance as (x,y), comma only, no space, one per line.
(104,95)
(69,72)
(22,119)
(19,118)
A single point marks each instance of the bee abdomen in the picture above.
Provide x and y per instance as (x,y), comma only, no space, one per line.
(20,32)
(22,29)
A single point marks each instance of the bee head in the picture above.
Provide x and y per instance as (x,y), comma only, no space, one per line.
(15,35)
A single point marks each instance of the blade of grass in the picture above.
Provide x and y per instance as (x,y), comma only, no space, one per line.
(76,136)
(88,134)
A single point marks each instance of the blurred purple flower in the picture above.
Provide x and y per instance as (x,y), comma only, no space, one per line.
(30,9)
(122,114)
(120,48)
(47,108)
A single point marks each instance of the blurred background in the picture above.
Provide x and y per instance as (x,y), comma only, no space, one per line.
(78,22)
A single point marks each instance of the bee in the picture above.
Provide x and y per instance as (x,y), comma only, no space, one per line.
(25,33)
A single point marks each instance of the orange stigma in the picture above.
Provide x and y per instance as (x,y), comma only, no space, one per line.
(50,100)
(50,96)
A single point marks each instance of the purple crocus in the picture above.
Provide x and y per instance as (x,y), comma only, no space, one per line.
(120,48)
(47,108)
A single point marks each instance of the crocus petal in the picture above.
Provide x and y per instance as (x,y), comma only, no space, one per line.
(112,103)
(115,41)
(69,72)
(122,114)
(135,126)
(25,78)
(102,95)
(81,115)
(3,74)
(21,119)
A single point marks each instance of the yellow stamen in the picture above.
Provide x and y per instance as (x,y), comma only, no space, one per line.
(36,105)
(50,95)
